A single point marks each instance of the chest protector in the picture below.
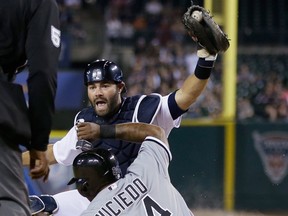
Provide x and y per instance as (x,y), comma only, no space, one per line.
(140,108)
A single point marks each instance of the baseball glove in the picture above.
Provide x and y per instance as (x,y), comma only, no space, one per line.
(204,30)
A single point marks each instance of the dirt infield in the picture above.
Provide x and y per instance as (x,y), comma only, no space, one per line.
(207,212)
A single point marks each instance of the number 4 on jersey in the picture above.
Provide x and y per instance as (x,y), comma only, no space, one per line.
(150,204)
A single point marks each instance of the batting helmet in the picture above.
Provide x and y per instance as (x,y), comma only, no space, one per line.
(102,70)
(102,161)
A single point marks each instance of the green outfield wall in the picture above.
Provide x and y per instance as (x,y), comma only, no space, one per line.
(258,178)
(197,165)
(262,166)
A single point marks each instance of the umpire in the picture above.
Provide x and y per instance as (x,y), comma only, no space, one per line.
(29,35)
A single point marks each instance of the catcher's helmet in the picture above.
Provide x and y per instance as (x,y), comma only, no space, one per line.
(102,70)
(101,161)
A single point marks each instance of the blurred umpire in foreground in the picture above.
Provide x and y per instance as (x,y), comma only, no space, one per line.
(29,36)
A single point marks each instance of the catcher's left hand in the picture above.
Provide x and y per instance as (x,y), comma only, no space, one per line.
(204,30)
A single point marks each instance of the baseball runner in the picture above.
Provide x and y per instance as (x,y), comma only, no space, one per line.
(29,36)
(144,190)
(104,81)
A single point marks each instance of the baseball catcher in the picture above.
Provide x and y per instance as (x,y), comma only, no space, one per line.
(205,31)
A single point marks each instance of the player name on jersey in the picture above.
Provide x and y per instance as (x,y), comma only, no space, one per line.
(124,199)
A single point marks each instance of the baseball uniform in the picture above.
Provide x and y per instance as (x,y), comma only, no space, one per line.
(145,190)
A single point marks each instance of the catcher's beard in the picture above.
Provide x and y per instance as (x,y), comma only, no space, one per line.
(113,104)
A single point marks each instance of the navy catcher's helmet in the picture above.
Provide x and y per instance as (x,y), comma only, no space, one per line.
(102,70)
(102,161)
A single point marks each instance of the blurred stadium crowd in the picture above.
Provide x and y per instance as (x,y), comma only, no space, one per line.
(160,55)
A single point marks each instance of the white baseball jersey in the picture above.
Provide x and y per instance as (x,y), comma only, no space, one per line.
(145,190)
(65,149)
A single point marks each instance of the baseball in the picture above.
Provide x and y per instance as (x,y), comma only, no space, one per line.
(197,15)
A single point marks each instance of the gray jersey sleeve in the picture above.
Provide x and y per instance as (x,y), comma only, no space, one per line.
(154,157)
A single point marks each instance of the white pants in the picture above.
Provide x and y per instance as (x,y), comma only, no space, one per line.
(70,203)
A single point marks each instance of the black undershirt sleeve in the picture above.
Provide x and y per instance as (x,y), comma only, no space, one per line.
(175,110)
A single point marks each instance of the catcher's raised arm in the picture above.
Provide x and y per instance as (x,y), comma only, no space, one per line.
(211,40)
(201,26)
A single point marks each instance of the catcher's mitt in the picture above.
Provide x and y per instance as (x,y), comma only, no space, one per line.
(204,30)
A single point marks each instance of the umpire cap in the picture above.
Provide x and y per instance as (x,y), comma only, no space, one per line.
(102,70)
